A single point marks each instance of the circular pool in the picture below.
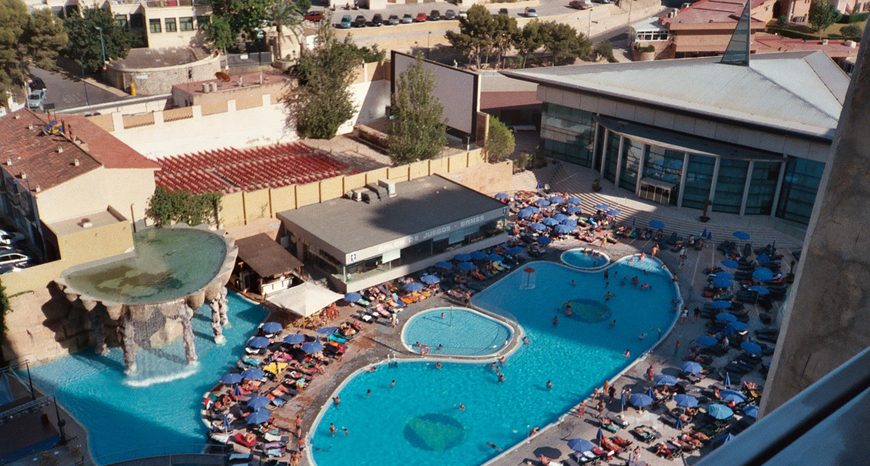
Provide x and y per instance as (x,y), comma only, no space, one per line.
(585,258)
(455,331)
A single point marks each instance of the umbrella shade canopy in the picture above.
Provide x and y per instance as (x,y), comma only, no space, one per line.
(760,290)
(763,259)
(730,263)
(664,379)
(572,209)
(430,279)
(257,402)
(416,286)
(494,258)
(538,226)
(462,257)
(733,395)
(678,424)
(570,223)
(686,401)
(527,212)
(762,274)
(544,240)
(751,347)
(724,275)
(563,229)
(725,438)
(443,265)
(613,212)
(515,250)
(272,327)
(720,412)
(580,444)
(478,255)
(560,217)
(502,196)
(722,282)
(751,411)
(542,202)
(726,317)
(727,379)
(721,304)
(258,417)
(294,339)
(327,330)
(466,266)
(706,340)
(550,221)
(258,342)
(230,379)
(741,235)
(691,367)
(556,199)
(657,224)
(252,374)
(313,347)
(739,326)
(602,207)
(352,297)
(574,200)
(640,400)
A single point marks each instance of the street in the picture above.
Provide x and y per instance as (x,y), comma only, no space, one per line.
(65,92)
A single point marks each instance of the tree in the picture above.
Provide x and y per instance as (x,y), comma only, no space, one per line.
(285,13)
(220,33)
(84,38)
(417,131)
(823,14)
(851,30)
(604,49)
(320,100)
(239,16)
(475,36)
(45,38)
(564,42)
(505,32)
(166,208)
(499,141)
(303,5)
(529,40)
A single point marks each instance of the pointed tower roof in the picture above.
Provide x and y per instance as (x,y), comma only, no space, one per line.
(737,52)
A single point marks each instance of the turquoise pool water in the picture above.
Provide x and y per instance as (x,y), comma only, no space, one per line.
(460,332)
(577,258)
(418,421)
(125,422)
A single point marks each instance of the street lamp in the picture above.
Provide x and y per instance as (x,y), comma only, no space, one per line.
(428,39)
(102,44)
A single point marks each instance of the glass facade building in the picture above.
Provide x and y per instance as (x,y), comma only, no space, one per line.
(736,179)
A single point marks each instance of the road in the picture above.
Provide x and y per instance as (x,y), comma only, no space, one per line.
(66,92)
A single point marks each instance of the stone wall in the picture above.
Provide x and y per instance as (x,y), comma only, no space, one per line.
(151,81)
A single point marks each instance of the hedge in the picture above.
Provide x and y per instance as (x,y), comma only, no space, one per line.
(853,18)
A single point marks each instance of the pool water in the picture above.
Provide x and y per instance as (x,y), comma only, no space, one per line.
(460,332)
(124,421)
(418,420)
(577,258)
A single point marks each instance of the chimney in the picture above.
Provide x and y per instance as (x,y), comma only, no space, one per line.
(23,175)
(38,188)
(30,126)
(8,162)
(60,149)
(76,162)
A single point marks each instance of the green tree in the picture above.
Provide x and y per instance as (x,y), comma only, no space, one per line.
(84,38)
(239,15)
(822,14)
(604,49)
(303,5)
(417,130)
(499,141)
(475,36)
(283,13)
(851,30)
(529,40)
(45,38)
(564,42)
(166,208)
(320,100)
(504,35)
(220,33)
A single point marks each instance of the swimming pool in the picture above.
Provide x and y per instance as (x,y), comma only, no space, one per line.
(418,422)
(124,422)
(579,259)
(458,331)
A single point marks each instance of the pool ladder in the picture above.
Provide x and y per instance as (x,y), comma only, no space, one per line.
(391,360)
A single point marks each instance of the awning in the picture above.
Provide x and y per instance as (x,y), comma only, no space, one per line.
(266,257)
(304,299)
(658,183)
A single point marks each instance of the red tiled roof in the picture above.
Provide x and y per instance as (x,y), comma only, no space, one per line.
(712,11)
(47,160)
(230,170)
(104,147)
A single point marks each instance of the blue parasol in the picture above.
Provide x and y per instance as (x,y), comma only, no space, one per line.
(720,412)
(544,240)
(294,339)
(494,258)
(572,209)
(710,235)
(443,265)
(326,330)
(258,342)
(640,400)
(751,347)
(352,297)
(466,266)
(570,223)
(502,196)
(478,255)
(430,279)
(526,212)
(704,233)
(258,417)
(739,326)
(416,286)
(550,222)
(580,444)
(599,436)
(574,200)
(462,257)
(657,224)
(313,347)
(237,391)
(721,304)
(613,212)
(516,250)
(724,275)
(732,396)
(556,199)
(741,235)
(602,207)
(691,367)
(664,379)
(706,340)
(726,317)
(252,374)
(538,226)
(725,438)
(759,289)
(560,217)
(230,379)
(722,282)
(678,424)
(751,411)
(727,379)
(686,401)
(763,259)
(730,263)
(271,328)
(563,229)
(762,274)
(257,402)
(542,202)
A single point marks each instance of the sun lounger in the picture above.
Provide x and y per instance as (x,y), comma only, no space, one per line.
(616,419)
(240,439)
(240,458)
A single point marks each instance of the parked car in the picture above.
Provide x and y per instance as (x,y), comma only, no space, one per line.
(15,259)
(407,18)
(35,82)
(434,15)
(503,11)
(449,15)
(393,20)
(602,1)
(313,15)
(421,17)
(531,12)
(7,238)
(580,4)
(463,14)
(346,22)
(36,98)
(377,20)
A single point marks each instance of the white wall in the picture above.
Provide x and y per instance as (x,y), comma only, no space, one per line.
(370,100)
(94,191)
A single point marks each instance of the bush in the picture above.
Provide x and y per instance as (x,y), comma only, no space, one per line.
(782,21)
(644,48)
(851,30)
(604,49)
(853,18)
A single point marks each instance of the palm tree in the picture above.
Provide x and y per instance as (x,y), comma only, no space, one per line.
(285,13)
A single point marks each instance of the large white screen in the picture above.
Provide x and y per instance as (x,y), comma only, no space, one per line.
(456,89)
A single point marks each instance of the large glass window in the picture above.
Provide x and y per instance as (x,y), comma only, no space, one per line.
(185,24)
(799,188)
(154,25)
(202,21)
(699,178)
(567,134)
(730,185)
(762,188)
(664,164)
(137,21)
(170,25)
(612,156)
(631,154)
(121,21)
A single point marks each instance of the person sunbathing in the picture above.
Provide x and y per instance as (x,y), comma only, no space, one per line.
(663,450)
